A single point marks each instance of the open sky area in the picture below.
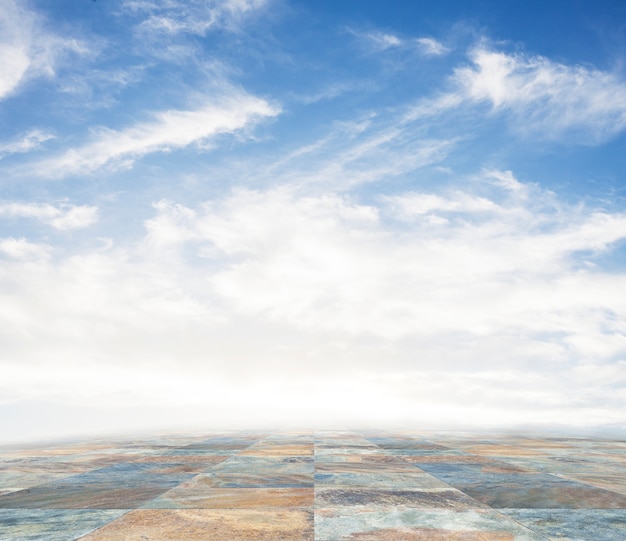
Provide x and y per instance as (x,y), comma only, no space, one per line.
(241,213)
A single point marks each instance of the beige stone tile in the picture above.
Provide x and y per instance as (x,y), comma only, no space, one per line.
(234,498)
(207,525)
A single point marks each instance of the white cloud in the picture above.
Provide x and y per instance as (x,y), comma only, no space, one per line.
(27,49)
(168,130)
(192,16)
(411,205)
(23,250)
(539,98)
(318,263)
(63,217)
(506,180)
(330,92)
(284,295)
(382,40)
(374,148)
(27,142)
(431,47)
(91,89)
(545,97)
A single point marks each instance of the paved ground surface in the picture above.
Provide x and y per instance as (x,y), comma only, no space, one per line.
(323,486)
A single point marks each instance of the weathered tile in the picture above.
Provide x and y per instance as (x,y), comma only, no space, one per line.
(278,450)
(174,458)
(12,481)
(458,458)
(573,525)
(494,449)
(417,524)
(207,524)
(612,482)
(364,467)
(264,465)
(524,490)
(79,497)
(380,480)
(320,451)
(250,480)
(442,498)
(540,491)
(231,498)
(192,463)
(370,486)
(372,459)
(52,525)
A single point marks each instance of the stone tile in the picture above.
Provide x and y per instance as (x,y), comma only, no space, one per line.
(197,463)
(207,524)
(278,450)
(525,490)
(321,451)
(443,499)
(364,467)
(370,486)
(250,480)
(372,459)
(230,498)
(417,524)
(12,481)
(573,525)
(52,525)
(198,451)
(380,480)
(493,449)
(430,534)
(540,491)
(264,465)
(460,459)
(612,482)
(79,497)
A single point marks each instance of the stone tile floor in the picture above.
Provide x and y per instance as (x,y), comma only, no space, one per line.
(322,486)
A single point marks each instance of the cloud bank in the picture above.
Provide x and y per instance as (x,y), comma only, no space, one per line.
(479,298)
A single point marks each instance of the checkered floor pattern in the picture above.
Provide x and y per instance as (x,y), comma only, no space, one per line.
(322,486)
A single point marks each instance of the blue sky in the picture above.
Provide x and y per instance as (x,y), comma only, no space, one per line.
(267,212)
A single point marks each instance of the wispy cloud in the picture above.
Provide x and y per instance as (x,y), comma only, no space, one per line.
(168,130)
(366,150)
(192,16)
(539,98)
(25,143)
(98,88)
(432,47)
(328,93)
(382,41)
(544,97)
(63,216)
(27,49)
